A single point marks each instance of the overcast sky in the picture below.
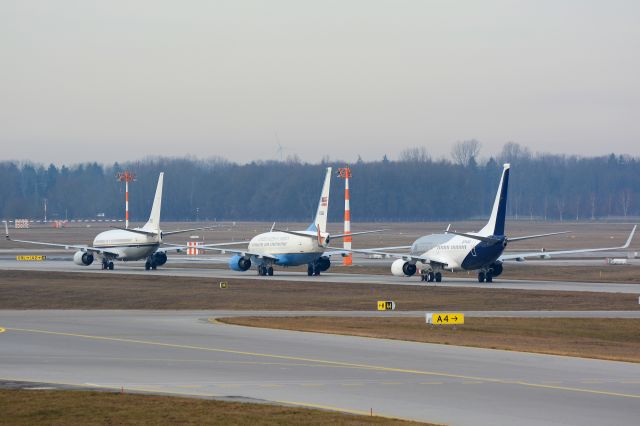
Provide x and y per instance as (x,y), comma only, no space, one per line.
(119,80)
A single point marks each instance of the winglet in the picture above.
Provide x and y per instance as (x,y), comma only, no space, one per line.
(272,227)
(6,230)
(448,228)
(628,243)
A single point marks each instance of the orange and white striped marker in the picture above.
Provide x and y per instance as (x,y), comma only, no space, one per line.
(345,173)
(192,248)
(126,177)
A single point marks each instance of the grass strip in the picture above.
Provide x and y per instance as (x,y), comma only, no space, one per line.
(66,407)
(613,339)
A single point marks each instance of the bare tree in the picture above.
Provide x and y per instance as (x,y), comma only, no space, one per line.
(416,154)
(625,200)
(560,204)
(592,200)
(464,152)
(512,152)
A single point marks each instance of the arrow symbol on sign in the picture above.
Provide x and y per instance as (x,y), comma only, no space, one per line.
(455,318)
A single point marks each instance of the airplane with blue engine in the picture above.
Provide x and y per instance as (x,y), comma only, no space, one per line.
(481,251)
(291,248)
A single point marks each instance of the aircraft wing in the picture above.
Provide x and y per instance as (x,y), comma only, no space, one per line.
(405,256)
(181,231)
(548,254)
(81,247)
(243,253)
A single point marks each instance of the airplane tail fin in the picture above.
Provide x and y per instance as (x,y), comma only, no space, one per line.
(320,222)
(153,224)
(495,226)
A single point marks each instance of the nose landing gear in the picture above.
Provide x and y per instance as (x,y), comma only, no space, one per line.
(485,276)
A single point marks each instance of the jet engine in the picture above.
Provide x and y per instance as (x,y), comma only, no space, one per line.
(323,263)
(496,268)
(402,268)
(239,263)
(159,258)
(82,258)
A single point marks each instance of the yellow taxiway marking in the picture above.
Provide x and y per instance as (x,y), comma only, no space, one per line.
(327,362)
(2,330)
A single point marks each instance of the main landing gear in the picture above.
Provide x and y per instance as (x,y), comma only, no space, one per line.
(430,276)
(265,270)
(313,269)
(107,265)
(485,276)
(150,264)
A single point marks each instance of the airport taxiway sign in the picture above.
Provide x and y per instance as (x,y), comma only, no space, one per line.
(386,305)
(436,318)
(32,258)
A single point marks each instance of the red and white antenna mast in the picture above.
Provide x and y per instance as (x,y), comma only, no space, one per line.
(345,173)
(126,177)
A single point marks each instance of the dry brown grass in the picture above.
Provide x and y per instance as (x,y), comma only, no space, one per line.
(61,407)
(614,339)
(63,290)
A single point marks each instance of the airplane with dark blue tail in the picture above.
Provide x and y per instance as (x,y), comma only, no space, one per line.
(481,251)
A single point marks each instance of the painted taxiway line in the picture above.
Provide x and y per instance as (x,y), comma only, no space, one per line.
(346,365)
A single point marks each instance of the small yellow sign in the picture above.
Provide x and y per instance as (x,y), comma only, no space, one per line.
(223,284)
(445,318)
(37,258)
(386,305)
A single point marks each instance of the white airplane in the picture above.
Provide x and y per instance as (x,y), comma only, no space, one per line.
(290,248)
(124,244)
(482,251)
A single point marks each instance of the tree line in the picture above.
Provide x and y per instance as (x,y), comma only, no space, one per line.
(415,187)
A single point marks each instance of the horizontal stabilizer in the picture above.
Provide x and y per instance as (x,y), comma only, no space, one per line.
(135,230)
(530,237)
(476,237)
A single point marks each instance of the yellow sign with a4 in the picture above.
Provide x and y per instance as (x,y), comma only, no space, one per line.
(444,318)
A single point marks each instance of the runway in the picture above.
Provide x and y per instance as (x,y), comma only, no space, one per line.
(136,268)
(182,353)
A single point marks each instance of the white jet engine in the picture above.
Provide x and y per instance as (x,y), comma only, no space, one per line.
(402,268)
(82,258)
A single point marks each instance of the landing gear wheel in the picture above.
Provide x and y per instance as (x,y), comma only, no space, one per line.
(270,271)
(438,277)
(481,277)
(105,264)
(309,269)
(147,265)
(423,277)
(154,266)
(489,277)
(430,276)
(110,266)
(262,271)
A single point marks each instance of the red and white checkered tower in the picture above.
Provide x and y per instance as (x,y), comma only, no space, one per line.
(126,177)
(345,173)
